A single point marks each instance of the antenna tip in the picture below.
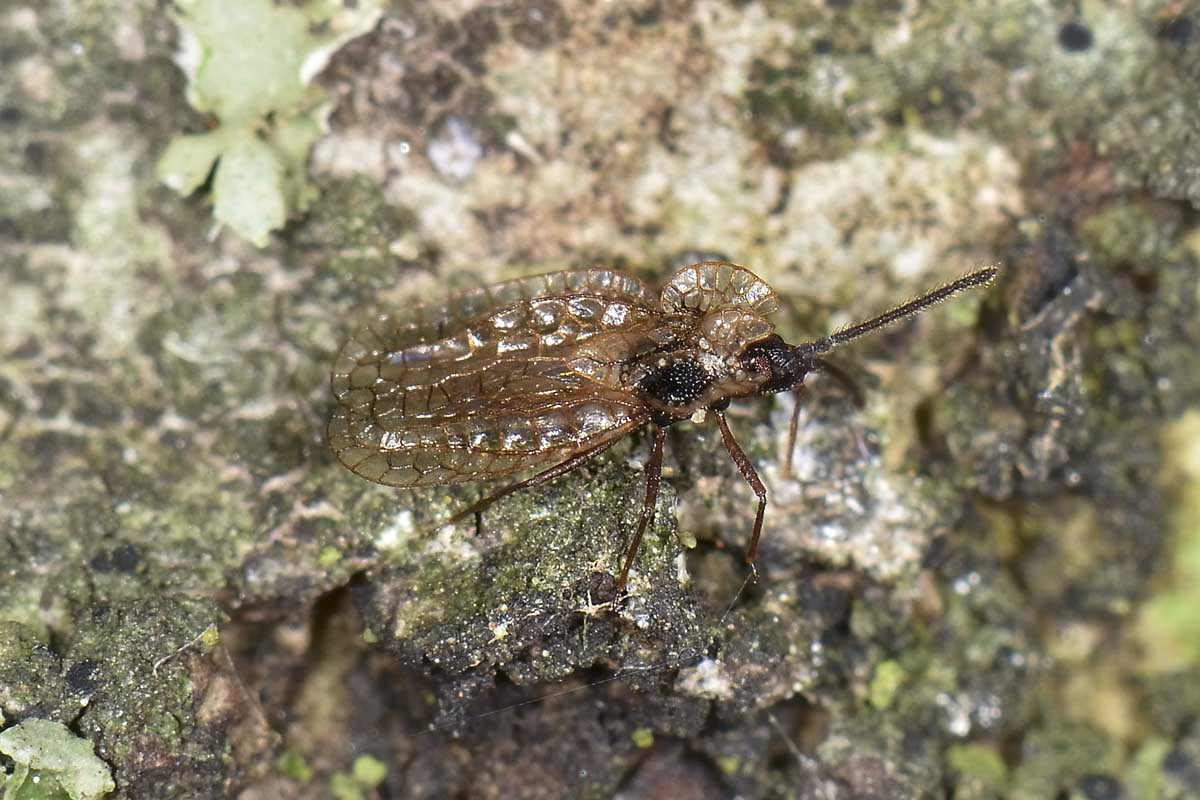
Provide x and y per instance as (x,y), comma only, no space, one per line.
(984,275)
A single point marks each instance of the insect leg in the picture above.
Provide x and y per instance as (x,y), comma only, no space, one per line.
(793,429)
(653,478)
(561,468)
(748,472)
(848,384)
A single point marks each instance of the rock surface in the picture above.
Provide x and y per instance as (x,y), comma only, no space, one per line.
(979,582)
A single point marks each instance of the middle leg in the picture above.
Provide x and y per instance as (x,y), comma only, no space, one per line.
(653,479)
(751,475)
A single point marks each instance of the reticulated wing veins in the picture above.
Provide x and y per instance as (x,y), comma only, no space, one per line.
(496,381)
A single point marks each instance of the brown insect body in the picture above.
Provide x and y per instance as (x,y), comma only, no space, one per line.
(549,371)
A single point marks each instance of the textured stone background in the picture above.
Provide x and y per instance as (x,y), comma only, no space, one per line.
(983,584)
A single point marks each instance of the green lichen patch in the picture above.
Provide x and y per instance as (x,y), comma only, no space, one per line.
(889,676)
(1145,775)
(369,771)
(294,766)
(980,771)
(51,762)
(1058,756)
(250,65)
(366,773)
(1167,625)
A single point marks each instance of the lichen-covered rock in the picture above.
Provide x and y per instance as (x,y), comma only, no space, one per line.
(979,580)
(32,683)
(49,761)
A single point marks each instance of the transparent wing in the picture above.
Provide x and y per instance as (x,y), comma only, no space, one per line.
(700,288)
(431,322)
(495,393)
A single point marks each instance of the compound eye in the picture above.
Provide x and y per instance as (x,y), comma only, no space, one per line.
(777,361)
(757,357)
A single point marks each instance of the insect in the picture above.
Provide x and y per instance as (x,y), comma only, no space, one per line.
(549,371)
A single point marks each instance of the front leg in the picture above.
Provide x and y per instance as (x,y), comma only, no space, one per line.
(751,475)
(653,479)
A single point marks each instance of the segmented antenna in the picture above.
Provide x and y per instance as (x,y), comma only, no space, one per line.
(916,306)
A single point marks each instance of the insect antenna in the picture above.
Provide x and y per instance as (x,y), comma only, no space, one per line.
(810,351)
(912,307)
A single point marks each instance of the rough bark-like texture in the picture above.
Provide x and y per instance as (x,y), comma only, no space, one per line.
(981,584)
